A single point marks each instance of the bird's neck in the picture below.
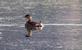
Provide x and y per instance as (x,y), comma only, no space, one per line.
(30,20)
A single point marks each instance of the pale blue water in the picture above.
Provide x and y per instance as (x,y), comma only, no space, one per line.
(52,37)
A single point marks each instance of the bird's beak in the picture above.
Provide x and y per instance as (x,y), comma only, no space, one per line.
(26,19)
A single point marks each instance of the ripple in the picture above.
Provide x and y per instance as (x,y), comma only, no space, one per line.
(0,33)
(12,44)
(59,46)
(1,38)
(2,18)
(8,24)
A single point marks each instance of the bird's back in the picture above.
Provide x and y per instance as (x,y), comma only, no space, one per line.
(31,25)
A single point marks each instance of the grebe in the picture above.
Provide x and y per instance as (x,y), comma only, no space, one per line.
(31,25)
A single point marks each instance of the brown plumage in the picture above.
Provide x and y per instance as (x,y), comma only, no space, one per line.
(31,25)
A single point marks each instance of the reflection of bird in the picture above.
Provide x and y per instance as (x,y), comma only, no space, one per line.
(31,25)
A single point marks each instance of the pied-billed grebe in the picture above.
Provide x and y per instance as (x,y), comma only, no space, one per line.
(31,25)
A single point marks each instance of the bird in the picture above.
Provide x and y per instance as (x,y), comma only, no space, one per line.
(32,25)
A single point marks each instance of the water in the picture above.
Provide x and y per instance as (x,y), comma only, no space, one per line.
(62,20)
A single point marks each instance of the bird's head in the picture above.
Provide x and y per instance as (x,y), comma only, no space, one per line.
(28,17)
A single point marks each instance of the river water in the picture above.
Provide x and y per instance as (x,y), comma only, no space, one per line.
(52,37)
